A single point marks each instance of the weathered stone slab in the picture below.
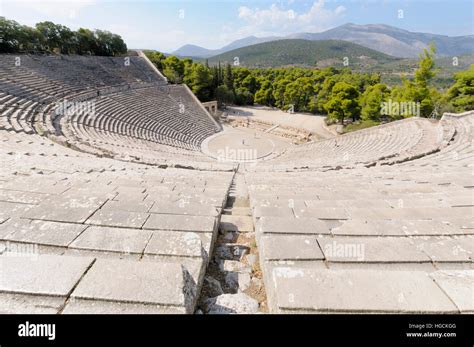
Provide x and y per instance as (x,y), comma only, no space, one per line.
(290,247)
(410,213)
(343,203)
(322,213)
(30,184)
(127,205)
(243,224)
(181,222)
(464,223)
(358,291)
(460,201)
(87,306)
(10,209)
(159,283)
(21,196)
(371,249)
(184,207)
(112,239)
(281,225)
(66,209)
(114,218)
(414,203)
(260,211)
(40,232)
(395,228)
(459,286)
(441,249)
(12,303)
(41,274)
(177,243)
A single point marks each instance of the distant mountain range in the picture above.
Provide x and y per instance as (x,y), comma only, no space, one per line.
(297,52)
(383,38)
(200,52)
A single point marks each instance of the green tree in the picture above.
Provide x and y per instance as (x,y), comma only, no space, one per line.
(173,69)
(461,93)
(228,77)
(299,93)
(343,102)
(156,58)
(371,102)
(264,95)
(419,90)
(199,79)
(85,41)
(224,96)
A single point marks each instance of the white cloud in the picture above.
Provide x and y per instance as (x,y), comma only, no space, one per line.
(54,8)
(278,21)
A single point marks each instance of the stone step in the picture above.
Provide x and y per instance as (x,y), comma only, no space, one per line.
(238,211)
(234,223)
(45,283)
(237,201)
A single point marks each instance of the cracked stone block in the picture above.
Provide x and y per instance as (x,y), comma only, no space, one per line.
(41,274)
(114,218)
(65,209)
(358,291)
(178,243)
(40,232)
(459,286)
(371,249)
(112,240)
(283,225)
(290,247)
(181,222)
(145,282)
(447,249)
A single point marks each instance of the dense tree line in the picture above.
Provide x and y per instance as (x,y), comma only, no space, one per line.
(56,38)
(339,93)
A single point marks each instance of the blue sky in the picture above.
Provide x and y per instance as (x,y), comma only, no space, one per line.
(167,25)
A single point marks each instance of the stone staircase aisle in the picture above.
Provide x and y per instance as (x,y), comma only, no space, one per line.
(233,281)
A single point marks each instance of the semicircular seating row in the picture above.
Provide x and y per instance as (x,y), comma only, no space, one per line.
(129,112)
(390,231)
(383,145)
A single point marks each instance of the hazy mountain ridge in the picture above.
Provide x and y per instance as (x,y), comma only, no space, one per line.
(298,52)
(383,38)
